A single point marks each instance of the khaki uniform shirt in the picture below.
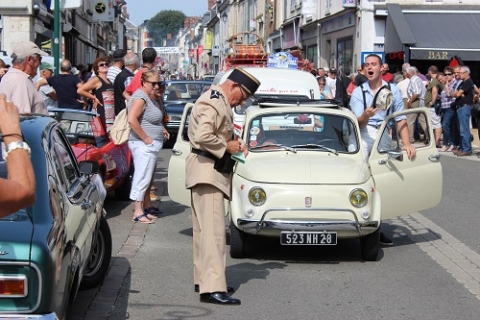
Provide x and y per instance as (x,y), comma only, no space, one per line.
(20,90)
(209,129)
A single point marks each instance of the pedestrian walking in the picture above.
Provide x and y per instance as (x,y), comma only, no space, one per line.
(210,132)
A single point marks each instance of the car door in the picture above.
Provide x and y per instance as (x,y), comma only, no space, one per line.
(406,186)
(176,166)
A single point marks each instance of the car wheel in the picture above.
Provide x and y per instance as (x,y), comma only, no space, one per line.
(237,242)
(123,192)
(99,260)
(370,245)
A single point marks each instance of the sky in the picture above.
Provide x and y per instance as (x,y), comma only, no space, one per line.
(141,10)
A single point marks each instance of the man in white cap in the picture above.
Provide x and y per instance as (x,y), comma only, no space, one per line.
(17,83)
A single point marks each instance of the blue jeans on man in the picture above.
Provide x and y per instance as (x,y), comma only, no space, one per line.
(463,113)
(449,131)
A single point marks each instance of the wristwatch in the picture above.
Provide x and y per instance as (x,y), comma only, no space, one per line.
(14,146)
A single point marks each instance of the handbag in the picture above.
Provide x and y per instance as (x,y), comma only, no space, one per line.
(225,164)
(120,130)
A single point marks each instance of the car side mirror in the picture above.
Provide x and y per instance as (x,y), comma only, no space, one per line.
(89,167)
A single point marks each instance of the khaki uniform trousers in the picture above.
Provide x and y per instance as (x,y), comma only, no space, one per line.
(412,118)
(208,220)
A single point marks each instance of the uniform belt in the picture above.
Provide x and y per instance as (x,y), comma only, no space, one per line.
(204,154)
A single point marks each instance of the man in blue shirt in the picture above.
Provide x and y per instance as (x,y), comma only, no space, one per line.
(370,118)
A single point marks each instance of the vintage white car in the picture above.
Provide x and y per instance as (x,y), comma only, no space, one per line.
(306,180)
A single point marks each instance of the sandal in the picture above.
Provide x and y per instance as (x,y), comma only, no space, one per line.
(444,149)
(153,211)
(143,216)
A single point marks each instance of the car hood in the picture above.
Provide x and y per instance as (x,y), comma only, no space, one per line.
(15,242)
(304,168)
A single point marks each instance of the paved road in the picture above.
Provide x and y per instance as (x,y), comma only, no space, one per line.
(432,272)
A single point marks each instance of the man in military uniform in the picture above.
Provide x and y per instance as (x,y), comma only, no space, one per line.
(210,132)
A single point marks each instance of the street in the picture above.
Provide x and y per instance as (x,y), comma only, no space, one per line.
(431,272)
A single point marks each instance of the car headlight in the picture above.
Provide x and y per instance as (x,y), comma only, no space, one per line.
(358,198)
(257,196)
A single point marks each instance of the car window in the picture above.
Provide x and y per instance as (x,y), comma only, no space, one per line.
(391,141)
(185,91)
(299,129)
(65,160)
(185,126)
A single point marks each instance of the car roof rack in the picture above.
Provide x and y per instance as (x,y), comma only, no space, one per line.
(268,102)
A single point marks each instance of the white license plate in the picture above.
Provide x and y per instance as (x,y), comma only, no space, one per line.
(308,238)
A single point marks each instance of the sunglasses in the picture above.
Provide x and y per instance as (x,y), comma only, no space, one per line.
(448,74)
(153,83)
(102,65)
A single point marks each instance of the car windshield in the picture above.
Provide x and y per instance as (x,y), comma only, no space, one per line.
(82,127)
(299,131)
(185,90)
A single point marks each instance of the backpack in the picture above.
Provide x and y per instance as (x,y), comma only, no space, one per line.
(120,129)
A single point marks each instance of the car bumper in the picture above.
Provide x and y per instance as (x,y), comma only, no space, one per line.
(347,228)
(50,316)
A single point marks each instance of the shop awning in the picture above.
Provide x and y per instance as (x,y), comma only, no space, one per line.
(435,35)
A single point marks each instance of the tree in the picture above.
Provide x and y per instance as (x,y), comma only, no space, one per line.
(164,23)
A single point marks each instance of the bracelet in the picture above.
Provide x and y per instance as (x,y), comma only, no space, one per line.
(13,135)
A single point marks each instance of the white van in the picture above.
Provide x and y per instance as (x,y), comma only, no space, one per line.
(274,83)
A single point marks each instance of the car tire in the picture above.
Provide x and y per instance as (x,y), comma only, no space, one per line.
(370,245)
(99,259)
(237,242)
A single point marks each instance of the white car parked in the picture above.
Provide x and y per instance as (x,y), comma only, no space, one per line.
(306,180)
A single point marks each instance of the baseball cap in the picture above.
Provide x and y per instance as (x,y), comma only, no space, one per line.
(27,48)
(119,54)
(333,70)
(46,65)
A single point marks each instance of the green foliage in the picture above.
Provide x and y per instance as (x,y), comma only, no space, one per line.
(163,23)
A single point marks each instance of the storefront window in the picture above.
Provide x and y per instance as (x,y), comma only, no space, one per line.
(345,54)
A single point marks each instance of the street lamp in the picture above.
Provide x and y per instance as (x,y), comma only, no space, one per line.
(224,17)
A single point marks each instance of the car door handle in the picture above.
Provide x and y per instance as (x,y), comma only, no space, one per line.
(176,152)
(434,157)
(86,204)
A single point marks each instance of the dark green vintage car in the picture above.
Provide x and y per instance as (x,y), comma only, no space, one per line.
(60,244)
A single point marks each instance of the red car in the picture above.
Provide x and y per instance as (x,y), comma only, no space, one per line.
(90,141)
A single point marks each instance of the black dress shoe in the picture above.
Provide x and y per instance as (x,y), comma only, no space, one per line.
(219,298)
(229,289)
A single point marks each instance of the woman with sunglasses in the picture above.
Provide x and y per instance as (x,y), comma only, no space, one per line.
(325,92)
(100,91)
(145,141)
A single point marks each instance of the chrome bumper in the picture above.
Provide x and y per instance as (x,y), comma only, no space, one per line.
(50,316)
(255,225)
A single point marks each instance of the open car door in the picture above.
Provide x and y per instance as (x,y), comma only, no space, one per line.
(176,166)
(406,185)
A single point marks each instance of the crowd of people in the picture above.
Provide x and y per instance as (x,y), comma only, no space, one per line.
(449,95)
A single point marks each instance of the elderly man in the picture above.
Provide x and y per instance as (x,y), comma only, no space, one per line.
(123,79)
(416,95)
(17,84)
(210,132)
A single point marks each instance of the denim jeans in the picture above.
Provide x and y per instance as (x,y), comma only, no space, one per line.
(463,113)
(448,116)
